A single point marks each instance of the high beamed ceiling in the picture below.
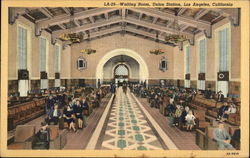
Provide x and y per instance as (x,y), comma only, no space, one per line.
(95,23)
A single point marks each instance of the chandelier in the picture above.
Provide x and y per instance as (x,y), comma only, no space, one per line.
(71,36)
(156,51)
(88,50)
(176,37)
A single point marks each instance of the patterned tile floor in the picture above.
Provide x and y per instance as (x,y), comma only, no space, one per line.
(127,127)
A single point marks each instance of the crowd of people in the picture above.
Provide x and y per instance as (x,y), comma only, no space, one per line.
(71,107)
(176,102)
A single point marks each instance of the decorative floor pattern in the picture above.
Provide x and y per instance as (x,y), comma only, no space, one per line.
(127,127)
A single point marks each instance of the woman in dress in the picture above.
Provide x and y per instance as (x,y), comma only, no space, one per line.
(78,110)
(69,117)
(190,120)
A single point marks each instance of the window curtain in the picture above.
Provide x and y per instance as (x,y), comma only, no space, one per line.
(23,87)
(42,54)
(201,84)
(57,82)
(187,83)
(22,48)
(44,83)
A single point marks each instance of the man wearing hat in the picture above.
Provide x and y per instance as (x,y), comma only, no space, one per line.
(42,138)
(222,137)
(220,97)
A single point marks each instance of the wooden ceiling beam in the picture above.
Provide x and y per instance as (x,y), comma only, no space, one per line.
(171,17)
(66,10)
(87,26)
(233,14)
(201,13)
(181,11)
(46,12)
(79,15)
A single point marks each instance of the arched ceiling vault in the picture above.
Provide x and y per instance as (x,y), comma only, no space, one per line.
(141,22)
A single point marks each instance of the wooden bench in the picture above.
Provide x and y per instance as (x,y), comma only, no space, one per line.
(22,134)
(22,113)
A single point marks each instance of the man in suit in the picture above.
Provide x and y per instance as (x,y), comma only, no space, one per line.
(55,115)
(220,97)
(42,137)
(222,137)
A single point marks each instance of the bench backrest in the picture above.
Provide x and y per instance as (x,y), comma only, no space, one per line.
(23,132)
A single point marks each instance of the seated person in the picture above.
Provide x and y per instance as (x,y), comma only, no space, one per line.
(69,117)
(190,120)
(170,108)
(42,137)
(222,110)
(222,137)
(236,138)
(184,114)
(177,114)
(84,103)
(231,110)
(78,110)
(55,115)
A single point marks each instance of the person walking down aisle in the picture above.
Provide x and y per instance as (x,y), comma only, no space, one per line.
(124,87)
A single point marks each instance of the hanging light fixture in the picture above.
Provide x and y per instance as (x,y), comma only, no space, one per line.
(156,51)
(176,37)
(71,36)
(88,49)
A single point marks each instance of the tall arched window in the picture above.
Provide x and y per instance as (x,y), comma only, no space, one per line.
(57,62)
(22,54)
(121,70)
(202,64)
(187,65)
(223,51)
(43,62)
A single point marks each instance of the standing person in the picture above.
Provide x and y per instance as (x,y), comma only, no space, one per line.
(78,110)
(124,87)
(177,115)
(50,105)
(183,115)
(69,117)
(220,97)
(85,106)
(222,137)
(190,120)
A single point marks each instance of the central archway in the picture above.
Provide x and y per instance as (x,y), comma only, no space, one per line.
(143,69)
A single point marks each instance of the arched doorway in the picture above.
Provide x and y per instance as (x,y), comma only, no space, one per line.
(143,73)
(121,74)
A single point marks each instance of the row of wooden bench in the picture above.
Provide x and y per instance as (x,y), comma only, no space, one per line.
(204,138)
(24,112)
(211,108)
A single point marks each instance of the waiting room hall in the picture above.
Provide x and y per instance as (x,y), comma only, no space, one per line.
(110,78)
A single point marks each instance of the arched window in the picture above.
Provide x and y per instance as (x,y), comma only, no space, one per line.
(121,70)
(81,63)
(163,66)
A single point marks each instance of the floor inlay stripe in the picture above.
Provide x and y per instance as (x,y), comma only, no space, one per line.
(127,127)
